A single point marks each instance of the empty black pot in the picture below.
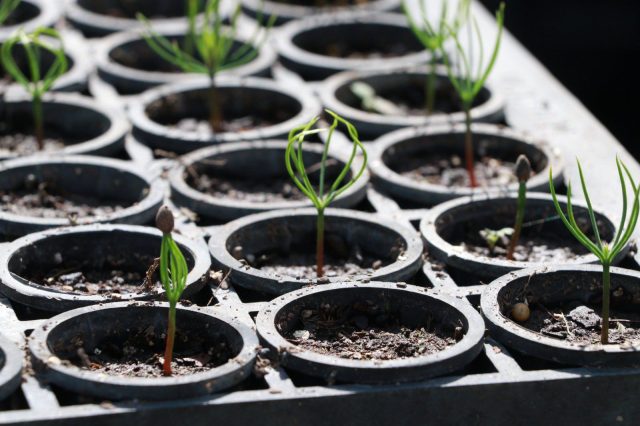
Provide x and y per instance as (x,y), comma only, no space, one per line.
(319,46)
(254,172)
(27,263)
(39,193)
(56,344)
(392,154)
(406,89)
(159,114)
(371,303)
(274,252)
(558,287)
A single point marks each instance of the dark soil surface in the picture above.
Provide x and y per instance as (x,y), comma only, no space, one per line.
(577,323)
(240,124)
(540,248)
(340,261)
(141,354)
(363,331)
(25,144)
(272,189)
(344,50)
(40,199)
(448,170)
(117,277)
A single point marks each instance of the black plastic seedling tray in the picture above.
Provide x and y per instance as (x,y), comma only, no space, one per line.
(499,387)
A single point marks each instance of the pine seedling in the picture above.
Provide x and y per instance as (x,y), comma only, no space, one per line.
(523,173)
(173,272)
(325,193)
(433,37)
(468,79)
(37,83)
(606,252)
(214,50)
(6,7)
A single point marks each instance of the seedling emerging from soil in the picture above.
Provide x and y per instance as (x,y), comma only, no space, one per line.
(370,101)
(173,275)
(36,84)
(324,194)
(606,252)
(468,79)
(215,50)
(433,36)
(6,7)
(523,173)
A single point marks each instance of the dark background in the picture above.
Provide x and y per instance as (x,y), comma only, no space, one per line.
(592,47)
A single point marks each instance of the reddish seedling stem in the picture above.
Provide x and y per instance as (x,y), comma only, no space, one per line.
(468,150)
(171,333)
(320,245)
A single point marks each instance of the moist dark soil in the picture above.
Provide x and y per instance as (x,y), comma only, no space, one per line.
(41,199)
(116,277)
(240,124)
(141,353)
(364,331)
(25,144)
(344,50)
(130,8)
(448,170)
(340,261)
(539,249)
(577,323)
(272,189)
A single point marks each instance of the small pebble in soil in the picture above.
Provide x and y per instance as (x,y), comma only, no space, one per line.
(520,312)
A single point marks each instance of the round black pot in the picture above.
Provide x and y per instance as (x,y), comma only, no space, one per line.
(448,225)
(404,87)
(556,287)
(10,367)
(414,307)
(249,168)
(55,344)
(293,232)
(126,61)
(29,15)
(287,11)
(156,112)
(78,64)
(390,153)
(372,41)
(84,180)
(78,123)
(97,18)
(26,262)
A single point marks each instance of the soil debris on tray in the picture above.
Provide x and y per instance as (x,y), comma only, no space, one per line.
(45,200)
(140,354)
(364,331)
(580,324)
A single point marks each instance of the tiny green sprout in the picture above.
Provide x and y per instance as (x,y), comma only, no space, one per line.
(36,84)
(325,194)
(215,49)
(493,237)
(6,7)
(523,173)
(433,36)
(173,272)
(606,252)
(468,79)
(372,102)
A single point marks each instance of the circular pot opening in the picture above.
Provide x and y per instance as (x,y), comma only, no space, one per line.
(110,263)
(407,92)
(438,159)
(358,40)
(152,9)
(24,12)
(45,60)
(243,109)
(17,133)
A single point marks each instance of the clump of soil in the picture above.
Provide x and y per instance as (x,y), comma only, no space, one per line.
(45,200)
(578,323)
(26,144)
(449,170)
(116,276)
(271,189)
(140,354)
(364,330)
(341,260)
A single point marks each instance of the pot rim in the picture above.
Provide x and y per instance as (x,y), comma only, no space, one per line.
(291,11)
(10,373)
